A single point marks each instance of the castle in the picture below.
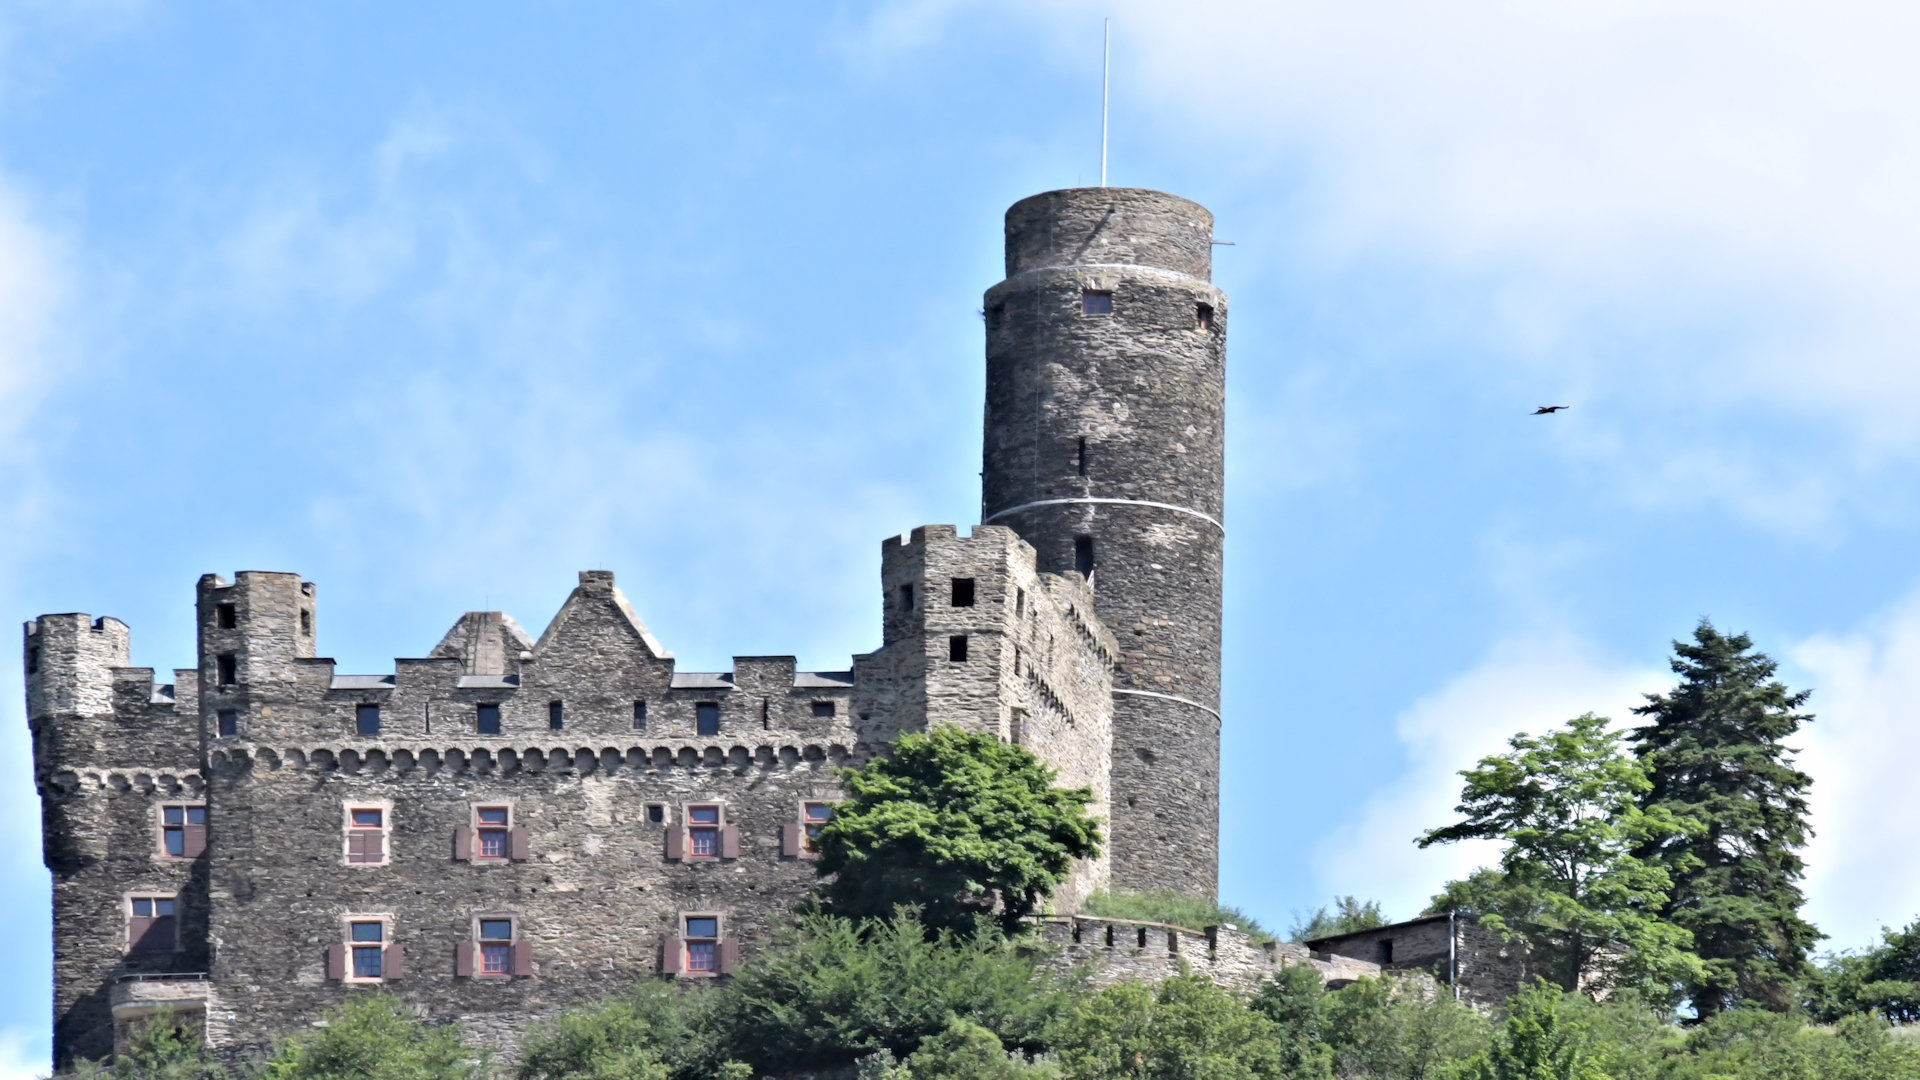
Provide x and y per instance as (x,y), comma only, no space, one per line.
(507,826)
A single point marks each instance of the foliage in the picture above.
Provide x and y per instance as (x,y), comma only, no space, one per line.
(1538,1041)
(835,990)
(1715,755)
(1399,1029)
(1174,908)
(1292,1000)
(1883,979)
(1348,915)
(163,1047)
(964,1050)
(651,1032)
(1185,1028)
(959,825)
(375,1037)
(1752,1044)
(1569,883)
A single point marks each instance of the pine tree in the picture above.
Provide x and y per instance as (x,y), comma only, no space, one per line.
(1715,754)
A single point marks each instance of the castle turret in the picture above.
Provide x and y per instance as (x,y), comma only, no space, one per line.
(253,633)
(1104,449)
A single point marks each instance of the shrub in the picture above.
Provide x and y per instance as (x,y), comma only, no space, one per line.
(652,1032)
(1400,1029)
(162,1048)
(374,1037)
(1184,1028)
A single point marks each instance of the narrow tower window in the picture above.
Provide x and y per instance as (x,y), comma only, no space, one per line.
(366,719)
(1096,303)
(1080,461)
(957,648)
(224,617)
(1083,555)
(906,598)
(963,592)
(556,716)
(226,670)
(1203,317)
(706,718)
(306,623)
(639,716)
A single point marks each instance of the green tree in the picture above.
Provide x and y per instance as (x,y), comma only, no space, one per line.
(835,990)
(1884,979)
(1570,884)
(1348,915)
(964,1050)
(959,825)
(165,1046)
(1714,754)
(1753,1044)
(1538,1041)
(651,1032)
(374,1037)
(1399,1029)
(1183,1028)
(1292,999)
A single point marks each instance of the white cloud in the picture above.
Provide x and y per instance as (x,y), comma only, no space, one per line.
(33,285)
(1526,683)
(24,1054)
(1863,755)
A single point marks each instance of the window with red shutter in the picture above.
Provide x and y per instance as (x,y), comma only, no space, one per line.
(730,842)
(394,964)
(672,952)
(522,958)
(463,955)
(676,843)
(493,831)
(367,828)
(337,961)
(790,839)
(729,955)
(496,947)
(518,844)
(703,832)
(700,944)
(151,926)
(463,844)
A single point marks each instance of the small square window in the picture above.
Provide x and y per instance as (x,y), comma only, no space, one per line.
(366,719)
(224,617)
(33,660)
(487,720)
(226,669)
(957,648)
(1093,302)
(823,710)
(703,926)
(706,718)
(639,716)
(229,721)
(493,828)
(556,716)
(656,813)
(496,946)
(963,592)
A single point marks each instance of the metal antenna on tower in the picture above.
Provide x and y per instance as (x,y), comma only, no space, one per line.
(1106,63)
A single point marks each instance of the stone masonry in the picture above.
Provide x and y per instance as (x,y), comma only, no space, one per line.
(507,826)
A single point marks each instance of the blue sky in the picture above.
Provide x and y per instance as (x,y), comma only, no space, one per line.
(437,306)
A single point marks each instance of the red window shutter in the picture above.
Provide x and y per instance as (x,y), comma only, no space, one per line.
(393,962)
(194,838)
(730,842)
(790,839)
(676,843)
(517,845)
(522,958)
(672,952)
(463,844)
(463,959)
(137,928)
(336,961)
(729,955)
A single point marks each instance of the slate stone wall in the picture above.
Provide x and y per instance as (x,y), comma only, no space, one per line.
(1108,428)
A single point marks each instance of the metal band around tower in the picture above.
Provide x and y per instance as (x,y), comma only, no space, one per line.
(1208,518)
(1170,697)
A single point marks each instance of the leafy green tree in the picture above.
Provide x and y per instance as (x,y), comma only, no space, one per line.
(1569,884)
(1538,1041)
(1753,1044)
(964,1050)
(651,1032)
(1292,999)
(165,1046)
(835,990)
(959,825)
(1184,1028)
(1399,1029)
(1884,979)
(1175,908)
(374,1037)
(1347,916)
(1715,754)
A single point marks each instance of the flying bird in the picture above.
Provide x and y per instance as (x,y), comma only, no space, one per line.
(1545,409)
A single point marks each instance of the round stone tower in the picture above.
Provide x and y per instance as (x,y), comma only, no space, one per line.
(1105,437)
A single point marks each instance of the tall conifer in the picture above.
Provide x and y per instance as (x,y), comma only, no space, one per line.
(1715,754)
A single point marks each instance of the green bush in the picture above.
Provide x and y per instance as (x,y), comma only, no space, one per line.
(966,1051)
(652,1032)
(1400,1029)
(1175,908)
(835,990)
(375,1037)
(1752,1044)
(1184,1028)
(161,1048)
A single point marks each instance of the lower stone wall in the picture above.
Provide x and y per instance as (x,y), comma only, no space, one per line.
(1119,950)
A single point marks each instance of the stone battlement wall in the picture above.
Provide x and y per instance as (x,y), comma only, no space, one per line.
(1118,950)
